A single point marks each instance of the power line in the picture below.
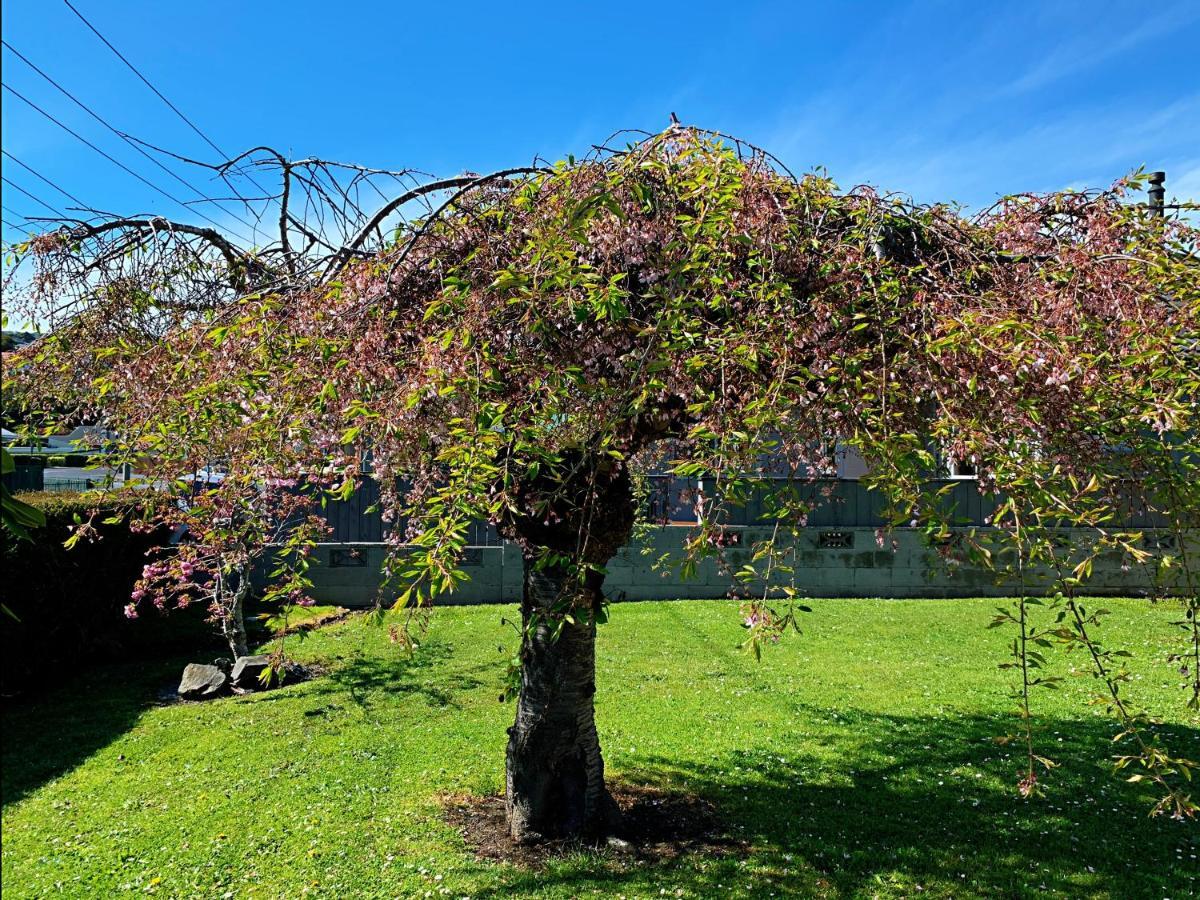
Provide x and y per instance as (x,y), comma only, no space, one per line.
(115,162)
(13,212)
(87,109)
(160,95)
(144,79)
(36,174)
(34,197)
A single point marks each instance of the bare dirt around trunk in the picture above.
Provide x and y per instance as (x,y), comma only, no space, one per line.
(656,826)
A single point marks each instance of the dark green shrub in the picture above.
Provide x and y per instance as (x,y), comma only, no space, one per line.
(29,459)
(56,461)
(78,460)
(70,602)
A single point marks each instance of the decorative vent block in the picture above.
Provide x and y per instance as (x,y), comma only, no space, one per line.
(347,559)
(1160,541)
(835,540)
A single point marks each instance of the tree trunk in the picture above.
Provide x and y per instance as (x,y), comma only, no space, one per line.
(233,621)
(555,773)
(584,513)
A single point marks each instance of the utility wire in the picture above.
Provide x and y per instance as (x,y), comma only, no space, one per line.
(15,214)
(161,96)
(87,109)
(33,197)
(36,174)
(111,159)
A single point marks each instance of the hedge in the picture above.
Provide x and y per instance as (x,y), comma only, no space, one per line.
(58,459)
(70,603)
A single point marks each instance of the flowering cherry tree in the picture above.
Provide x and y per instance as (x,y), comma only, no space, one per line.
(227,535)
(523,348)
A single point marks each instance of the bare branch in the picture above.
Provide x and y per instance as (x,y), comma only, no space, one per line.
(239,261)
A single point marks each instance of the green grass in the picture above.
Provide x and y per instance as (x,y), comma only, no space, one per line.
(856,760)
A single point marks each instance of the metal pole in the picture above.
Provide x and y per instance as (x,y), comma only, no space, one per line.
(1156,192)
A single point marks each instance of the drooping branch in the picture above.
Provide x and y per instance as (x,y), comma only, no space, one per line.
(463,182)
(232,254)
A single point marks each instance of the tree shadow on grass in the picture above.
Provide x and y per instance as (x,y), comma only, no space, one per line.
(428,673)
(929,810)
(47,734)
(424,674)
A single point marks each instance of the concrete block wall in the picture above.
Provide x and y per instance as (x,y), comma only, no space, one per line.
(827,562)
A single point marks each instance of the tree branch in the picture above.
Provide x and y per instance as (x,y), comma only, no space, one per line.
(234,256)
(462,181)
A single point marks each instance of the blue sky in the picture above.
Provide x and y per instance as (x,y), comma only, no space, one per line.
(954,101)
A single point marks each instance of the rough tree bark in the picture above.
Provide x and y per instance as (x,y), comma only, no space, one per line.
(555,771)
(554,768)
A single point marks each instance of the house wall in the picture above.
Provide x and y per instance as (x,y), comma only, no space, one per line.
(836,554)
(827,562)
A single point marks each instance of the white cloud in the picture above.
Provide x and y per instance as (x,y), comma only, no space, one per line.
(1082,53)
(980,160)
(1183,182)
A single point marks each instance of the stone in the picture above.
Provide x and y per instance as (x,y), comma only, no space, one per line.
(200,682)
(619,845)
(248,670)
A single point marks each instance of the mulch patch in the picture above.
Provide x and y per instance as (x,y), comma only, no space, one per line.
(338,614)
(658,826)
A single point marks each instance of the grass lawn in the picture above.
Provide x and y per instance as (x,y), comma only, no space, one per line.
(856,760)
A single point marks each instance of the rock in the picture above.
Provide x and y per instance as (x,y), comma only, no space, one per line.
(619,845)
(200,682)
(247,671)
